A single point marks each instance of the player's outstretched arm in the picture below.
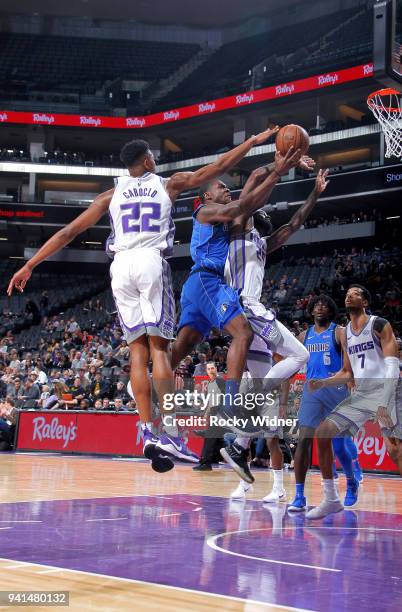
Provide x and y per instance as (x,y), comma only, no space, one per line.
(283,233)
(62,238)
(248,204)
(259,174)
(183,181)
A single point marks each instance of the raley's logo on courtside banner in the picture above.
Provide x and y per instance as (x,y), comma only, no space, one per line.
(43,118)
(272,92)
(53,430)
(371,445)
(91,121)
(328,79)
(135,122)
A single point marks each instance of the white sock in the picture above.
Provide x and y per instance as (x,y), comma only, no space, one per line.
(242,441)
(147,425)
(278,479)
(330,490)
(245,485)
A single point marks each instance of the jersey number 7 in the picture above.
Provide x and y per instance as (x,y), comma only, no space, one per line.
(362,357)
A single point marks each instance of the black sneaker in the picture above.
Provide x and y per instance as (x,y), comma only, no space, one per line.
(236,457)
(203,467)
(243,426)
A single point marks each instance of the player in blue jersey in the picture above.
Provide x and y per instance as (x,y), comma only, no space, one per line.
(323,340)
(207,301)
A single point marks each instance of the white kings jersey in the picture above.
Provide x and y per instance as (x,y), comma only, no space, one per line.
(365,354)
(141,215)
(245,265)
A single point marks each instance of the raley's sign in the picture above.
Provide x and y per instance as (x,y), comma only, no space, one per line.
(273,92)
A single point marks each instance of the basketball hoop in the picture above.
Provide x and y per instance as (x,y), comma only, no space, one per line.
(386,106)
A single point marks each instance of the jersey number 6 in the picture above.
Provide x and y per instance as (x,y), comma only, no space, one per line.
(145,218)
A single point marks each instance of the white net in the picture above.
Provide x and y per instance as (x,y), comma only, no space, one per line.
(386,106)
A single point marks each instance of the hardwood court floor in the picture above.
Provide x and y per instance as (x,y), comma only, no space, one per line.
(118,536)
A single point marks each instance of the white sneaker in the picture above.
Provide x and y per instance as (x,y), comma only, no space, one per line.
(325,508)
(276,495)
(241,490)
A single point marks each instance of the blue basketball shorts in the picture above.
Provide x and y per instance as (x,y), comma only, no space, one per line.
(316,406)
(207,301)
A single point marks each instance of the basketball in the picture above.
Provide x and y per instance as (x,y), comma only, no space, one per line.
(292,136)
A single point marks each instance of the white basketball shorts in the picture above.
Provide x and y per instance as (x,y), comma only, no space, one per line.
(143,293)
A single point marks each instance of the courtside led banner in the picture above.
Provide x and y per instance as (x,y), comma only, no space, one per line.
(120,434)
(273,92)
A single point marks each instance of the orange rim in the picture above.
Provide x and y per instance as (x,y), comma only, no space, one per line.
(384,92)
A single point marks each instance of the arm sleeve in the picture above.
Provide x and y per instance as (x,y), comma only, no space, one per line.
(391,379)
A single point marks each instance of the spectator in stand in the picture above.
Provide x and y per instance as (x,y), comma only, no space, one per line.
(201,367)
(98,405)
(280,294)
(77,391)
(31,393)
(45,394)
(78,362)
(106,404)
(8,419)
(110,361)
(121,391)
(72,326)
(105,347)
(32,311)
(99,388)
(15,363)
(116,339)
(118,404)
(220,360)
(84,404)
(44,303)
(123,352)
(55,400)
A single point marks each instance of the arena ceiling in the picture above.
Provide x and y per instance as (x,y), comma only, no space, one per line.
(195,13)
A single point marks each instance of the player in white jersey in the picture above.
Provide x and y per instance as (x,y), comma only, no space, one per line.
(245,269)
(140,208)
(371,363)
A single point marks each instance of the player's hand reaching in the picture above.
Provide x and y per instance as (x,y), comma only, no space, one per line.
(383,417)
(314,384)
(306,163)
(283,163)
(19,280)
(321,181)
(259,139)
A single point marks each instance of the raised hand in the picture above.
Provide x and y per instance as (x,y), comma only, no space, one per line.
(19,280)
(306,163)
(284,163)
(263,136)
(321,181)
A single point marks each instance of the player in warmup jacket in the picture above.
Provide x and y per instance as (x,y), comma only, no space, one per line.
(140,208)
(370,362)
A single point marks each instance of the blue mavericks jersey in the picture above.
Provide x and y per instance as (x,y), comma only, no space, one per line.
(325,353)
(209,244)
